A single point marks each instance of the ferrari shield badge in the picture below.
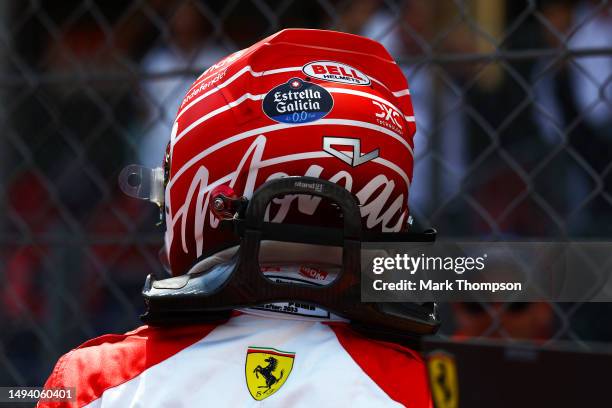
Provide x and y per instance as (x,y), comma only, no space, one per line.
(443,380)
(266,370)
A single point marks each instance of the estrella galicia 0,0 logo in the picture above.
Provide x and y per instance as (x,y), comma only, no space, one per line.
(297,101)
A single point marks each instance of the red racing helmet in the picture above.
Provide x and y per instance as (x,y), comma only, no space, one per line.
(299,103)
(324,110)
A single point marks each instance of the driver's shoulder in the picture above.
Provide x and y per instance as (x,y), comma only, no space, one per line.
(112,359)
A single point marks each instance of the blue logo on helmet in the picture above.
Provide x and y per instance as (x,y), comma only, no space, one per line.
(297,102)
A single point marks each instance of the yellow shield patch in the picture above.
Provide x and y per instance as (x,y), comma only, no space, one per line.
(443,380)
(266,370)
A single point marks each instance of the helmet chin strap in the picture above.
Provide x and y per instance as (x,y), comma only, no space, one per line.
(238,281)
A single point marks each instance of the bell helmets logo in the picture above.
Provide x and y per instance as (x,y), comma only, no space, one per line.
(266,370)
(335,72)
(297,102)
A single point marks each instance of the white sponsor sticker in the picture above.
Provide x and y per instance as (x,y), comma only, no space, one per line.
(293,308)
(388,117)
(335,72)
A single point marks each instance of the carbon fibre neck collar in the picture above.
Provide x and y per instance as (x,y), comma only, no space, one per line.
(239,281)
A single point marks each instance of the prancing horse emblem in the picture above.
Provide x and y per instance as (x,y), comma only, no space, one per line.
(443,380)
(266,370)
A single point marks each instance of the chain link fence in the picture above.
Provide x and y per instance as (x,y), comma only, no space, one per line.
(513,101)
